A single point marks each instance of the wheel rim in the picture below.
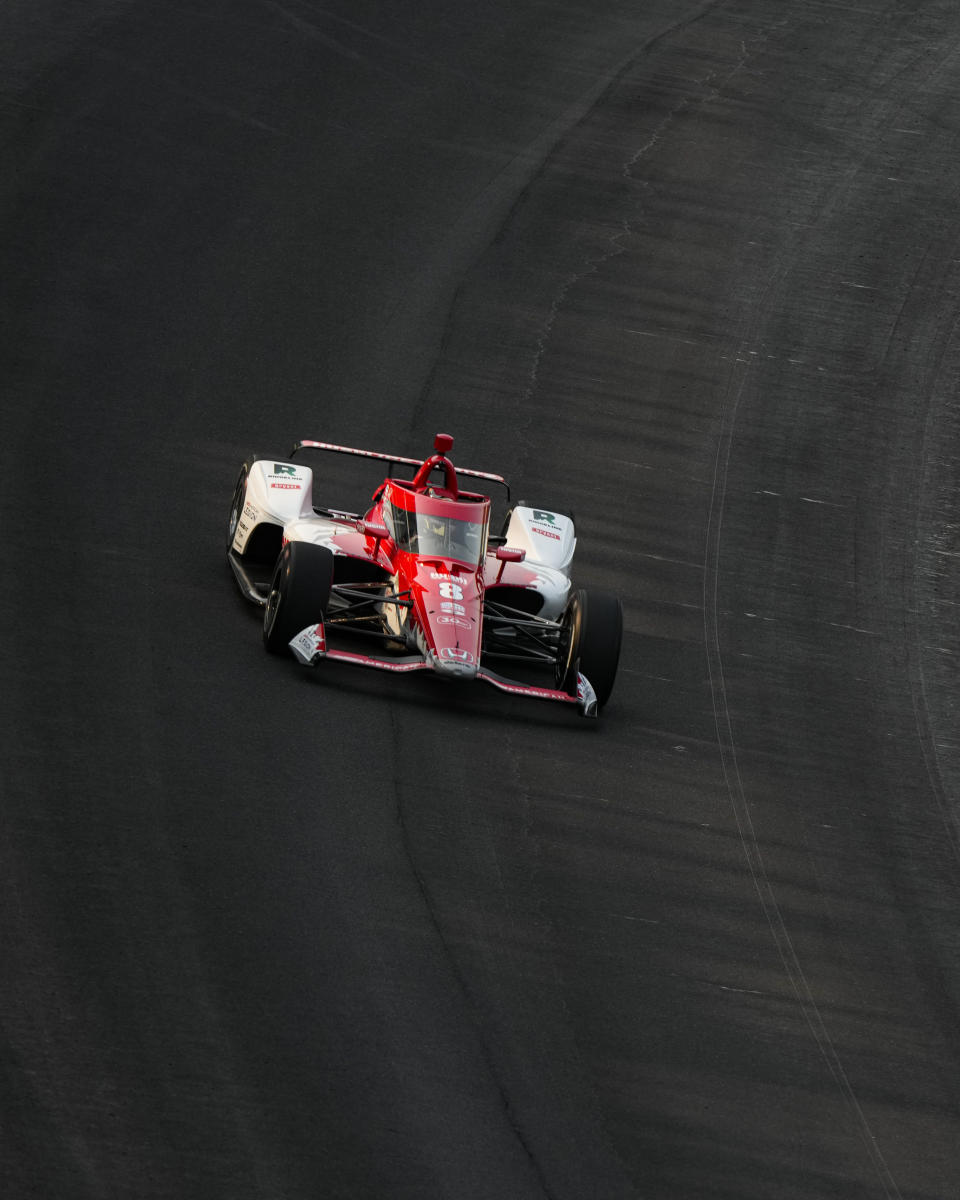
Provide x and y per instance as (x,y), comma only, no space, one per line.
(273,606)
(567,646)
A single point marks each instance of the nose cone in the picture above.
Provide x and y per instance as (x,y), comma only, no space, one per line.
(444,662)
(450,603)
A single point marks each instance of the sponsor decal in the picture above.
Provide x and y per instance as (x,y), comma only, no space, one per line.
(290,487)
(309,644)
(380,663)
(454,610)
(439,575)
(283,469)
(242,526)
(546,533)
(540,693)
(545,518)
(453,621)
(456,654)
(250,512)
(586,697)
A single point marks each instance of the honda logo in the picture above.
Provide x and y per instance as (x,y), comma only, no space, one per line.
(456,653)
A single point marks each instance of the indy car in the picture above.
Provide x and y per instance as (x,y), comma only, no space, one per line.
(419,574)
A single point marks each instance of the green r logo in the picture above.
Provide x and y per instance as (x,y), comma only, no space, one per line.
(544,517)
(283,469)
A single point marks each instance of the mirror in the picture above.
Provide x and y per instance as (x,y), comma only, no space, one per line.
(373,529)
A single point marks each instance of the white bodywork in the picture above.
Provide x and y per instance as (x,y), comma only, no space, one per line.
(547,537)
(277,493)
(549,541)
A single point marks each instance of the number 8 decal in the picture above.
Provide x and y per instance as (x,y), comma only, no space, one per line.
(451,591)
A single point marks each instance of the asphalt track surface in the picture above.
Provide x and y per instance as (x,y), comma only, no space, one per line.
(692,270)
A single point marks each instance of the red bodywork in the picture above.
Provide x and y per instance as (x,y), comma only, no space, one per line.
(432,539)
(436,548)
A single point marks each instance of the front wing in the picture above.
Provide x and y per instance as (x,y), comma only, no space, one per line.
(310,646)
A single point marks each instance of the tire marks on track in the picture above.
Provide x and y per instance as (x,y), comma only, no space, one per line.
(736,791)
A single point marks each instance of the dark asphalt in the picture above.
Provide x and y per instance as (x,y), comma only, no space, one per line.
(692,270)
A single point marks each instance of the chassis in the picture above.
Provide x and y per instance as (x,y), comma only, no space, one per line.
(419,574)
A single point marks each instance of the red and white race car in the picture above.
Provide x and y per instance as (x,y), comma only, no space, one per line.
(420,573)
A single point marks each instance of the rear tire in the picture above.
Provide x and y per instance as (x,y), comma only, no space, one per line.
(239,499)
(592,631)
(298,595)
(236,505)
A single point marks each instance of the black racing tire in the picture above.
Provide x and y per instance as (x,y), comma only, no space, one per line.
(591,634)
(298,595)
(239,499)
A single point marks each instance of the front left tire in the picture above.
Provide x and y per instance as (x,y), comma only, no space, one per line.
(299,593)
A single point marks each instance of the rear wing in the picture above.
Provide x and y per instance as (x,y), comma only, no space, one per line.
(396,460)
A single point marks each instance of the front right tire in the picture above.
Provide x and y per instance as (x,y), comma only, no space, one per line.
(299,593)
(590,638)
